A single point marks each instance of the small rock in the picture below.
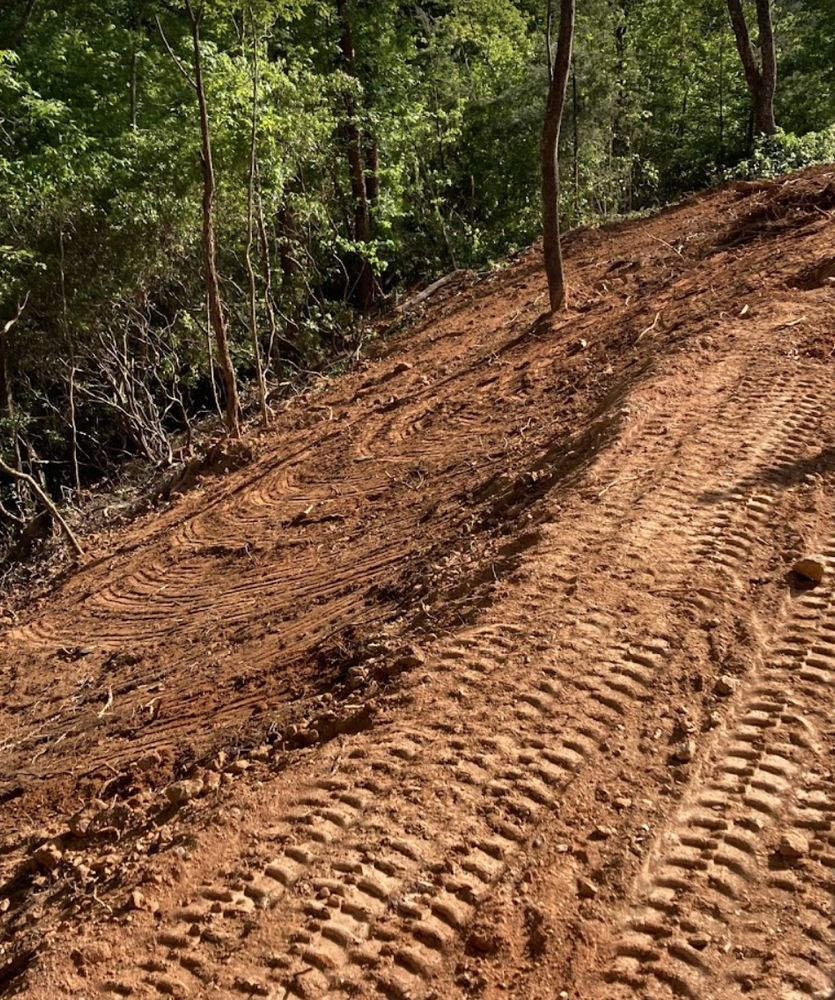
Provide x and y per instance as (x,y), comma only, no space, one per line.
(136,900)
(684,752)
(586,888)
(714,720)
(238,766)
(793,846)
(726,685)
(409,658)
(809,569)
(699,942)
(483,942)
(183,791)
(621,803)
(48,855)
(401,367)
(602,833)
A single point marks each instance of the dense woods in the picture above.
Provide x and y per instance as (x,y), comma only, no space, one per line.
(196,197)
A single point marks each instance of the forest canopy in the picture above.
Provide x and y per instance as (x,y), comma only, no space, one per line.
(358,147)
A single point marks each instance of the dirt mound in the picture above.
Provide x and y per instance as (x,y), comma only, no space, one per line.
(485,674)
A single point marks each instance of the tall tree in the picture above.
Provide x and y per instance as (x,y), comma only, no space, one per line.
(762,78)
(356,165)
(217,316)
(559,73)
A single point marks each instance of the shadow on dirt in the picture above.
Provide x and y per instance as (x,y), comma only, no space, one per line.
(781,475)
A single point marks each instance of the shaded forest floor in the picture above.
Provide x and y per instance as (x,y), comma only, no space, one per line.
(483,676)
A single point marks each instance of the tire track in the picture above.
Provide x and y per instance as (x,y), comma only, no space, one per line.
(397,911)
(712,896)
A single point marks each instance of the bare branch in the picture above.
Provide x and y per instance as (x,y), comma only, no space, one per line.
(33,485)
(177,62)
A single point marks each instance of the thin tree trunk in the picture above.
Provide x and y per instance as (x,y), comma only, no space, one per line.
(762,81)
(216,313)
(211,355)
(6,394)
(267,274)
(359,194)
(74,431)
(552,250)
(575,109)
(71,348)
(35,487)
(721,103)
(768,75)
(134,65)
(6,398)
(250,223)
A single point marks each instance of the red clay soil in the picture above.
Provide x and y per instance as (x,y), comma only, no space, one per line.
(485,676)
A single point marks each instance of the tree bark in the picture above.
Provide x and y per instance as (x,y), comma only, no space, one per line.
(761,79)
(552,250)
(356,167)
(216,313)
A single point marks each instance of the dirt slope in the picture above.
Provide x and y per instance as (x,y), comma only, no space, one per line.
(485,677)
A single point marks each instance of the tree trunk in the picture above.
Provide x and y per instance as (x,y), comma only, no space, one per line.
(768,76)
(356,167)
(216,314)
(762,79)
(550,157)
(250,225)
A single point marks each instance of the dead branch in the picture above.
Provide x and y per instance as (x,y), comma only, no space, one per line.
(33,485)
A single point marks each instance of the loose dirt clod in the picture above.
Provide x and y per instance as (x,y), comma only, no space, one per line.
(725,685)
(809,569)
(793,845)
(48,855)
(184,791)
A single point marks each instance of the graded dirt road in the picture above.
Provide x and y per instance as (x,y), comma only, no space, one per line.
(488,676)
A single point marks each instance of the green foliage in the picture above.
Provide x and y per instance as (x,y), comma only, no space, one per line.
(785,151)
(100,176)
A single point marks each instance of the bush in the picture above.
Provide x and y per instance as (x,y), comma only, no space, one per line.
(784,151)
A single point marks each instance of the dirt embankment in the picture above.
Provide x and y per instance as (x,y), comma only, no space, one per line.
(484,676)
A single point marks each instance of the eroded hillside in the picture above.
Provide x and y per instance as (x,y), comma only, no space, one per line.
(485,676)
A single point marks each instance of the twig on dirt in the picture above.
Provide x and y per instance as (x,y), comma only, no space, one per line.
(338,761)
(101,902)
(793,322)
(649,329)
(618,482)
(436,286)
(686,590)
(664,242)
(107,704)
